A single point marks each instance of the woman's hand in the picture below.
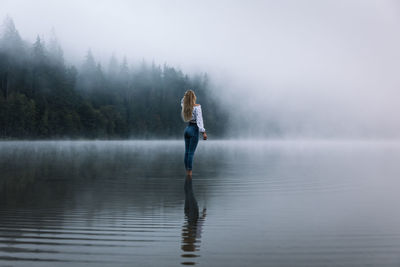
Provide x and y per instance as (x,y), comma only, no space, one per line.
(204,136)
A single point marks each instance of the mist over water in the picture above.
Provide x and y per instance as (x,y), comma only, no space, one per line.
(125,203)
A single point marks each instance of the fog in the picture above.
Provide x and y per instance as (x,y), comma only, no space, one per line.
(307,69)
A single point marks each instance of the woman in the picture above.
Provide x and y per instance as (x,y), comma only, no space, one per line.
(191,113)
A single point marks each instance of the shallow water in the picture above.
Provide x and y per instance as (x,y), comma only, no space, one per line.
(267,203)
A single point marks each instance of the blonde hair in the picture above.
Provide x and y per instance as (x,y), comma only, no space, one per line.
(189,99)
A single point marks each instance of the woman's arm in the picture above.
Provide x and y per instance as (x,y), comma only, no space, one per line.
(199,121)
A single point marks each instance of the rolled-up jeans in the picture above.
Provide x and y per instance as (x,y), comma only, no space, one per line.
(191,135)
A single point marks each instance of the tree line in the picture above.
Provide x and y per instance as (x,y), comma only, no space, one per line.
(43,97)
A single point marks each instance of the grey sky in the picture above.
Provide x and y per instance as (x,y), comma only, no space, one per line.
(318,67)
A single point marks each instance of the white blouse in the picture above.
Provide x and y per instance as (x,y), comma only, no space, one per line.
(197,117)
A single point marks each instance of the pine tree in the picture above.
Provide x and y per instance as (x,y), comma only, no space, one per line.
(112,67)
(10,40)
(38,52)
(56,53)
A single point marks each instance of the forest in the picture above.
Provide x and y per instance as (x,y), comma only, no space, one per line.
(43,97)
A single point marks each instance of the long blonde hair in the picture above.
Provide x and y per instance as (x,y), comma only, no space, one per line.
(189,99)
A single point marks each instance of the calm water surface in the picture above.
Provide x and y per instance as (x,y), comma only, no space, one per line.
(267,203)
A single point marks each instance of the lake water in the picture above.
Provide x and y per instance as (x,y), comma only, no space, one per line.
(267,203)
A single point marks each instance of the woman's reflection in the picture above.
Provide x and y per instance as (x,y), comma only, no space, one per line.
(191,231)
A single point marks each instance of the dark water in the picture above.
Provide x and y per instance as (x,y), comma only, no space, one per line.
(248,204)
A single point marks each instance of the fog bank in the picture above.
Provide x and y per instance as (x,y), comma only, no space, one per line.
(287,68)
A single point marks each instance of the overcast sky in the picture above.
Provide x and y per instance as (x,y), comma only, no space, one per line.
(320,68)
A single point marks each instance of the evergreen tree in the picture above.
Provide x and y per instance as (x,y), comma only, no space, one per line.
(56,53)
(112,67)
(11,41)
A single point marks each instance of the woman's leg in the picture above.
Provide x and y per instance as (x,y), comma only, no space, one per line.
(187,141)
(194,139)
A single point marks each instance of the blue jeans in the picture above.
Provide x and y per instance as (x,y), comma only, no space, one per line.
(191,135)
